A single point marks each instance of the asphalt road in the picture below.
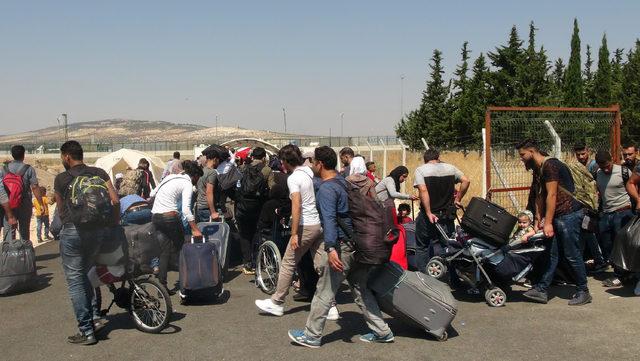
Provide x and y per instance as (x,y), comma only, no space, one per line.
(35,326)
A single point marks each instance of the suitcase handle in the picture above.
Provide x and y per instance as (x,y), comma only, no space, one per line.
(491,218)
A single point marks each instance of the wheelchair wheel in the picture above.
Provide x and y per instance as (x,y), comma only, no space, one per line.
(267,267)
(150,305)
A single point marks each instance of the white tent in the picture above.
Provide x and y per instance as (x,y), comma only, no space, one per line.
(119,161)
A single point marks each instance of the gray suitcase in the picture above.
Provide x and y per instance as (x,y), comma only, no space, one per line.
(414,297)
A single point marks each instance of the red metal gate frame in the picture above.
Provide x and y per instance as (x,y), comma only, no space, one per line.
(615,135)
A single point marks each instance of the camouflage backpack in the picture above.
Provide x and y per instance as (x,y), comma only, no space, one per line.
(585,189)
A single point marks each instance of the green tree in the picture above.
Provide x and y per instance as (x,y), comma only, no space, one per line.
(616,76)
(434,114)
(532,83)
(573,87)
(631,96)
(602,79)
(459,118)
(554,98)
(588,78)
(474,102)
(506,60)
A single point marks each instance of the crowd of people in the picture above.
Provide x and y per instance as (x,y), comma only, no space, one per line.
(313,188)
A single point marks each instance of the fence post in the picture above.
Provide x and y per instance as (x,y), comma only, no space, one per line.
(424,142)
(404,163)
(484,163)
(384,155)
(370,151)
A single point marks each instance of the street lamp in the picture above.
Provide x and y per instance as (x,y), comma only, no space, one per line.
(401,96)
(341,125)
(284,117)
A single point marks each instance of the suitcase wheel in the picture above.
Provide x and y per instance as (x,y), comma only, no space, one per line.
(444,337)
(495,297)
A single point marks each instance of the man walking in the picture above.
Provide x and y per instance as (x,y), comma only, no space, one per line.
(80,244)
(18,171)
(306,233)
(561,216)
(338,262)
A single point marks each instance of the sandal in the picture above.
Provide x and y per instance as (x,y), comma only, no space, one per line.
(612,282)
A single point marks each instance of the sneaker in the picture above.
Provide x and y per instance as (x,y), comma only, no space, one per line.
(580,298)
(536,295)
(248,270)
(612,282)
(82,339)
(99,324)
(636,291)
(301,339)
(372,337)
(269,307)
(333,314)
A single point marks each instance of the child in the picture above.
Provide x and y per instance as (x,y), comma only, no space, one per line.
(42,215)
(525,228)
(403,213)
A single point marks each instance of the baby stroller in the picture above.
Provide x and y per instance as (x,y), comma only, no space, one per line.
(483,265)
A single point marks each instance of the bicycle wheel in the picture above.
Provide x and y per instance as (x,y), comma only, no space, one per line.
(267,267)
(150,305)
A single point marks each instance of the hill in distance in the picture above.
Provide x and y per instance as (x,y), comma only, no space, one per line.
(126,130)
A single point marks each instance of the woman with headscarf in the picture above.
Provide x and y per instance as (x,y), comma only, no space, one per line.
(389,188)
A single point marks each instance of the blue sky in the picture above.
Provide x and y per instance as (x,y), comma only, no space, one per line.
(246,60)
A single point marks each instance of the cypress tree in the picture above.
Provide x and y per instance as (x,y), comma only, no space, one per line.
(616,76)
(506,60)
(573,87)
(588,78)
(459,118)
(602,79)
(532,84)
(555,79)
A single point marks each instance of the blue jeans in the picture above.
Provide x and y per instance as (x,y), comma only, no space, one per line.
(567,236)
(426,236)
(610,224)
(202,215)
(140,216)
(42,221)
(78,248)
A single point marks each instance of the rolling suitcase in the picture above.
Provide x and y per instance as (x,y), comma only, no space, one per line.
(17,265)
(200,272)
(218,234)
(414,297)
(488,221)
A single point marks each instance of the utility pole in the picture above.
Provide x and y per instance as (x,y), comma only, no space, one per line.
(63,118)
(342,124)
(216,127)
(284,117)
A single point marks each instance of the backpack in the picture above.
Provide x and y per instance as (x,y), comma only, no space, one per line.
(585,189)
(131,183)
(89,201)
(228,182)
(14,184)
(372,234)
(253,185)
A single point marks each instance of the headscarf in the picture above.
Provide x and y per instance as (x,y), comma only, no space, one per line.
(357,166)
(396,173)
(526,213)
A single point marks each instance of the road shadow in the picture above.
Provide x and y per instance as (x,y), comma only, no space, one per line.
(47,256)
(124,321)
(624,291)
(209,301)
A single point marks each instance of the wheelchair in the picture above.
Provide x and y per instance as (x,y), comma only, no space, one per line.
(273,243)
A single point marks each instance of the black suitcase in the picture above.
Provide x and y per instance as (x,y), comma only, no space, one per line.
(418,299)
(488,221)
(200,272)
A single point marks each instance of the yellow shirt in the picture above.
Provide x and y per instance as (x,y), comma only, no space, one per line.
(41,210)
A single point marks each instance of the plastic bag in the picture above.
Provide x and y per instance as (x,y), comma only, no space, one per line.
(626,246)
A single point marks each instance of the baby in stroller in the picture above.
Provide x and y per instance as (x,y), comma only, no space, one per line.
(483,264)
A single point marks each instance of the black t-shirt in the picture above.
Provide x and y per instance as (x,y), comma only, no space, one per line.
(555,170)
(63,181)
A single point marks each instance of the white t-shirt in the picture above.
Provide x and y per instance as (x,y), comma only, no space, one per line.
(301,181)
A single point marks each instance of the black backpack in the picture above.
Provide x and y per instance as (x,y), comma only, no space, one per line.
(253,184)
(89,202)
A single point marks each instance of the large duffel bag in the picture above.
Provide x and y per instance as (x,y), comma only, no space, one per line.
(200,272)
(418,299)
(488,221)
(143,246)
(17,266)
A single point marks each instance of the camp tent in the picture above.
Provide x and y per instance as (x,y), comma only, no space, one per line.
(119,161)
